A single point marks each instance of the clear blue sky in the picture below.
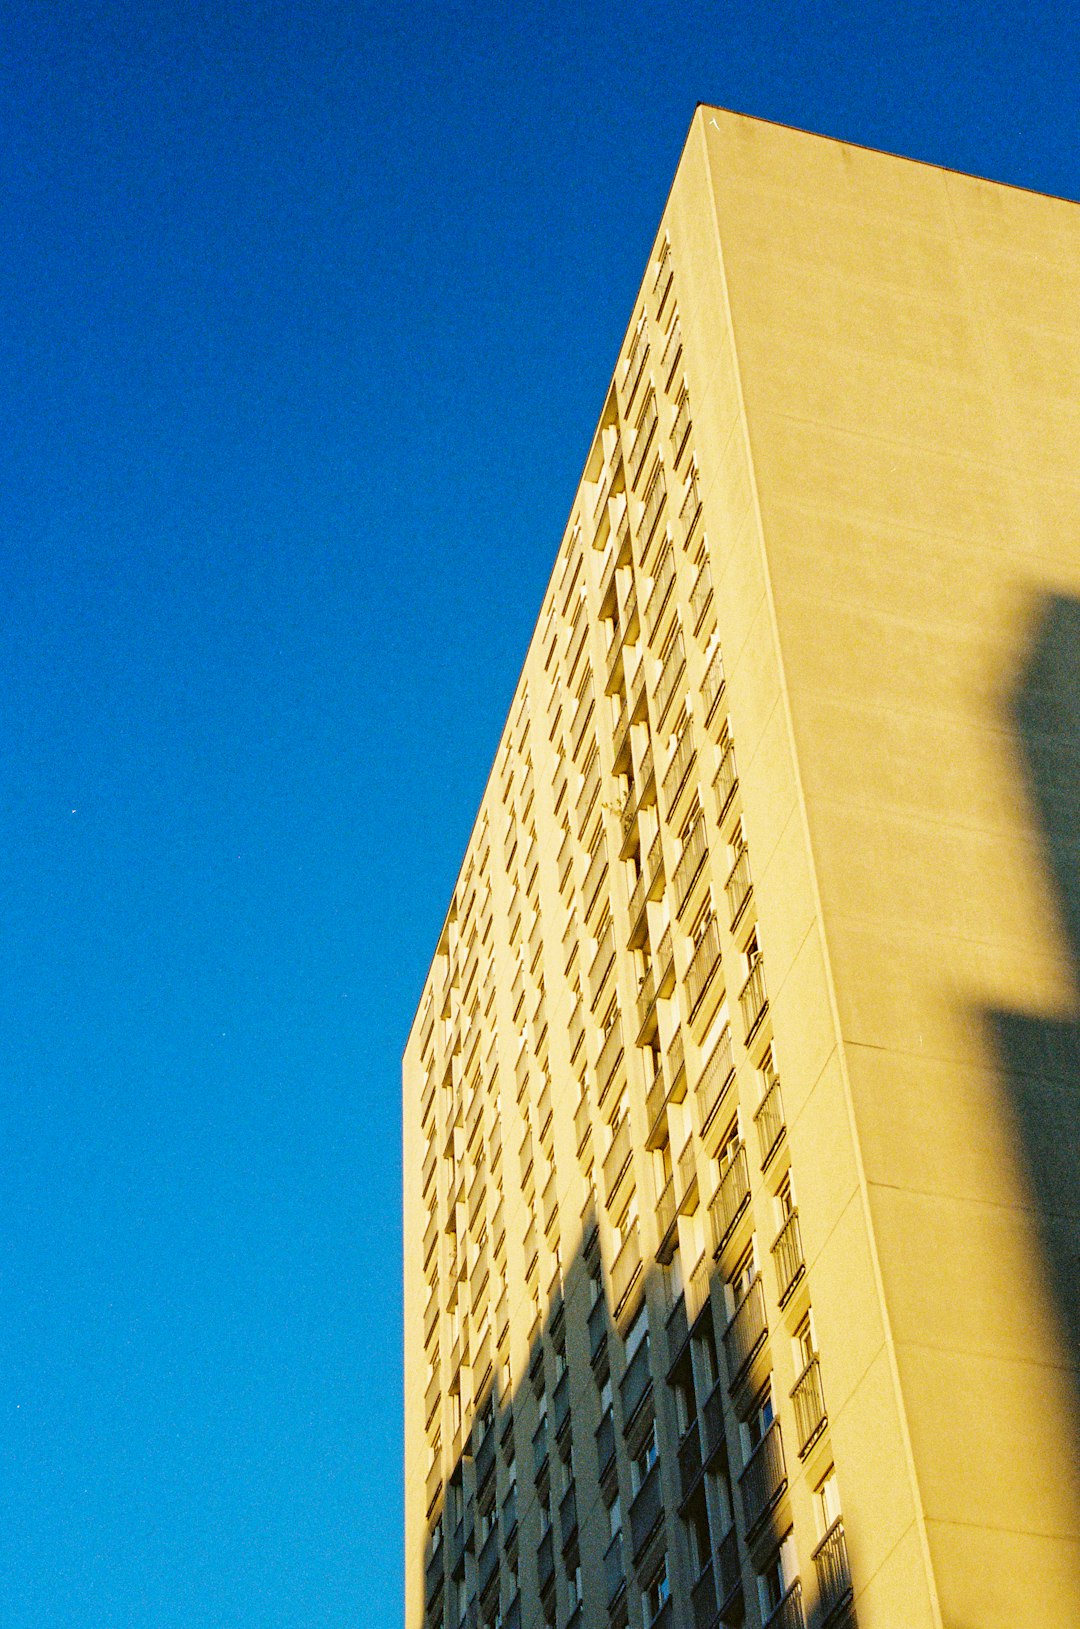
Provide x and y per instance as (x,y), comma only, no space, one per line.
(307,315)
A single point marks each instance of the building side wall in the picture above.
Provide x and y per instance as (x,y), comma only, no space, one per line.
(909,349)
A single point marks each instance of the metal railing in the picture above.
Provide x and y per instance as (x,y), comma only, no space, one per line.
(646,1510)
(731,1198)
(663,583)
(769,1118)
(712,686)
(678,771)
(715,1078)
(654,502)
(764,1477)
(809,1400)
(643,439)
(636,1383)
(672,671)
(617,1157)
(681,426)
(625,1269)
(608,1060)
(746,1331)
(701,594)
(687,1180)
(739,886)
(788,1612)
(729,1574)
(703,964)
(787,1253)
(833,1571)
(666,1215)
(690,863)
(753,999)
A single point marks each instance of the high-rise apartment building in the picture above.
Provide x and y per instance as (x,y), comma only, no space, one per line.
(742,1201)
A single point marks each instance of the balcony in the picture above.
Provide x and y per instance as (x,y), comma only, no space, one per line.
(582,1123)
(728,1572)
(614,1571)
(833,1574)
(714,1081)
(731,1198)
(764,1478)
(545,1562)
(713,684)
(675,1067)
(602,964)
(655,498)
(508,1521)
(665,964)
(690,864)
(540,1448)
(625,1270)
(690,1466)
(646,1511)
(739,887)
(701,595)
(680,429)
(809,1399)
(636,1383)
(605,1445)
(703,1604)
(660,594)
(678,771)
(433,1576)
(643,440)
(485,1458)
(769,1117)
(673,669)
(560,1404)
(568,1522)
(590,791)
(635,366)
(582,722)
(788,1614)
(646,1002)
(655,1104)
(687,1181)
(617,1158)
(787,1252)
(594,877)
(488,1563)
(513,1614)
(690,512)
(608,1061)
(620,736)
(672,351)
(745,1333)
(753,1000)
(712,1419)
(667,1215)
(598,1328)
(703,965)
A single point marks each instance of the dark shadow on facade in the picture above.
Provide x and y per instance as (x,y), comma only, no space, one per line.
(630,1482)
(1040,1057)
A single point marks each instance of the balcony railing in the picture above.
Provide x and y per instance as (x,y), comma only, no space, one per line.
(582,1122)
(617,1158)
(614,1570)
(666,1217)
(568,1522)
(703,1601)
(665,964)
(687,1180)
(788,1613)
(787,1253)
(731,1198)
(769,1116)
(646,998)
(602,963)
(728,1573)
(680,429)
(672,671)
(809,1400)
(675,1065)
(595,876)
(715,1078)
(608,1061)
(545,1562)
(703,964)
(605,1443)
(689,1460)
(489,1558)
(663,583)
(636,1383)
(745,1333)
(690,512)
(753,999)
(671,352)
(678,771)
(712,686)
(833,1572)
(598,1327)
(739,886)
(560,1404)
(764,1478)
(643,439)
(625,1270)
(690,863)
(654,503)
(701,595)
(712,1417)
(647,1510)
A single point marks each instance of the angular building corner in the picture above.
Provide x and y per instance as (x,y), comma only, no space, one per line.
(742,1104)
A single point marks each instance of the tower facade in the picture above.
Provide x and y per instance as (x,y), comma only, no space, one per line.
(742,1104)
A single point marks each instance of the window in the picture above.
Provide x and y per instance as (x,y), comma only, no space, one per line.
(656,1592)
(827,1499)
(729,1145)
(777,1578)
(697,1521)
(644,1459)
(762,1414)
(804,1343)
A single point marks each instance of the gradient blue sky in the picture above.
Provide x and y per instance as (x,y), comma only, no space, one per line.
(308,312)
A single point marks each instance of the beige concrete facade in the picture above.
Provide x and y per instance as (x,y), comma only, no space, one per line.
(742,1106)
